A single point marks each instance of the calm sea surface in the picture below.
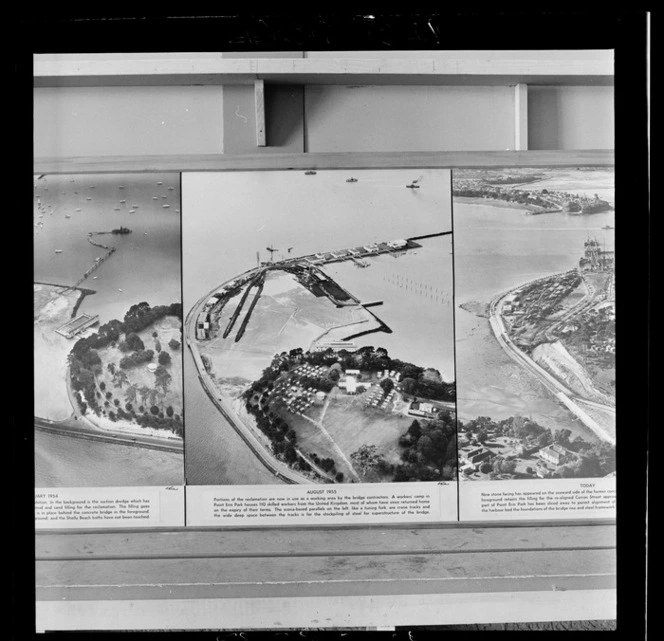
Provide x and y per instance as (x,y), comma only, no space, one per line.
(146,264)
(61,461)
(230,217)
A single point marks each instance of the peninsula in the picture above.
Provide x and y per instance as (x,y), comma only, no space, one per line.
(276,352)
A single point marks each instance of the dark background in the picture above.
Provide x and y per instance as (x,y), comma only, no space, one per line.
(35,30)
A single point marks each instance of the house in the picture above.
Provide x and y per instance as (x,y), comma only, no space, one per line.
(556,454)
(475,456)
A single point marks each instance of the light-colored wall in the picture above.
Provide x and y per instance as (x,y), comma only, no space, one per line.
(171,120)
(414,118)
(570,117)
(118,121)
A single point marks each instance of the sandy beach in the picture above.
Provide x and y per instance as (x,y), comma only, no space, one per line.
(51,310)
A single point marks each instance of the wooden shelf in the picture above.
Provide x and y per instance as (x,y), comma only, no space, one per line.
(340,160)
(430,68)
(263,577)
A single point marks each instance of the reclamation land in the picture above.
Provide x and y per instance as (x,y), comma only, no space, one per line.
(323,409)
(561,330)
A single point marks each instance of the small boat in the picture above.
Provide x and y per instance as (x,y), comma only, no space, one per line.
(123,201)
(95,277)
(177,211)
(58,251)
(165,206)
(164,196)
(131,211)
(119,289)
(134,206)
(116,209)
(311,172)
(608,227)
(145,233)
(160,182)
(154,198)
(67,215)
(78,209)
(88,198)
(412,186)
(120,186)
(171,188)
(351,180)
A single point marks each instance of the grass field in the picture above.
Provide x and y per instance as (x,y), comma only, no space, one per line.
(350,424)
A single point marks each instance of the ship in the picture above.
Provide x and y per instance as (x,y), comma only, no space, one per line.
(413,186)
(311,172)
(608,227)
(351,180)
(121,230)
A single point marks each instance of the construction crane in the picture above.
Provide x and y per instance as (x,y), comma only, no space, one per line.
(271,249)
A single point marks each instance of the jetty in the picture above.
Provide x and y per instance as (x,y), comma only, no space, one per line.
(77,325)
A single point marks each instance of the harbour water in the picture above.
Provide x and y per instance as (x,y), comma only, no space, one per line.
(62,461)
(416,290)
(146,263)
(497,248)
(228,217)
(144,267)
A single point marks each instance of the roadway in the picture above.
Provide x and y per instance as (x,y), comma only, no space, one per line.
(553,385)
(76,428)
(279,469)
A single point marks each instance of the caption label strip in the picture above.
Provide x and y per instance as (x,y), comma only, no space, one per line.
(381,503)
(544,499)
(109,507)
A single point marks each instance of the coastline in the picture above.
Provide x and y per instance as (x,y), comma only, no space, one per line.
(504,204)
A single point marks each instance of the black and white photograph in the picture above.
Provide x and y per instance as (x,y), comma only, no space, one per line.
(325,337)
(107,330)
(535,322)
(319,327)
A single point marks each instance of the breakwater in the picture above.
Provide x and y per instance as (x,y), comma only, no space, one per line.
(98,261)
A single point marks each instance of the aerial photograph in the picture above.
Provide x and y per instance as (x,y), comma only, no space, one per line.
(319,327)
(108,397)
(535,322)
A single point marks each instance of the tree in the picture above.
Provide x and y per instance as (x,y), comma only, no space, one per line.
(144,392)
(120,378)
(388,385)
(173,344)
(162,378)
(157,346)
(164,358)
(408,385)
(131,393)
(366,458)
(482,435)
(134,342)
(415,430)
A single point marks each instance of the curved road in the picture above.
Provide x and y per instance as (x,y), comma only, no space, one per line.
(560,391)
(279,469)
